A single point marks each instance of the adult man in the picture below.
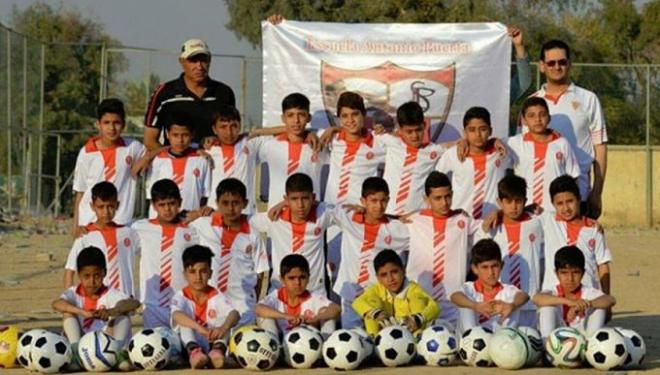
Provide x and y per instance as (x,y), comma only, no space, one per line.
(577,115)
(193,92)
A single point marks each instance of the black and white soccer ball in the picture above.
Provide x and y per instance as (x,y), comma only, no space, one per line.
(97,351)
(635,347)
(177,356)
(50,353)
(149,350)
(509,348)
(535,345)
(343,350)
(473,348)
(302,347)
(24,347)
(257,349)
(565,348)
(606,349)
(437,346)
(395,346)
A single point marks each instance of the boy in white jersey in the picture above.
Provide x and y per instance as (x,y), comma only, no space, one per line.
(293,304)
(541,154)
(106,157)
(570,302)
(487,302)
(440,240)
(240,259)
(162,241)
(202,315)
(118,243)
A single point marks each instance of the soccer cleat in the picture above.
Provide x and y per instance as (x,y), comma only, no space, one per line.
(197,359)
(217,357)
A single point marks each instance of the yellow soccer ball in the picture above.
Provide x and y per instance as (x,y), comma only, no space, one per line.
(238,334)
(8,343)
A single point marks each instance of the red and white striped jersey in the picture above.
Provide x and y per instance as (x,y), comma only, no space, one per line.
(406,169)
(539,163)
(305,239)
(309,307)
(474,181)
(161,267)
(439,252)
(350,164)
(113,165)
(239,256)
(107,298)
(586,235)
(190,171)
(474,290)
(119,244)
(586,293)
(211,314)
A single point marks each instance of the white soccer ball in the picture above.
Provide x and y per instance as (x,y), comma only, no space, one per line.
(302,347)
(51,353)
(565,348)
(98,351)
(635,347)
(473,348)
(177,356)
(257,349)
(343,350)
(367,341)
(508,348)
(535,352)
(606,349)
(437,346)
(149,350)
(395,346)
(24,348)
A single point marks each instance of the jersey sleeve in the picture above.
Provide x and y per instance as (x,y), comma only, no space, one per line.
(321,300)
(259,255)
(571,164)
(513,150)
(400,236)
(597,121)
(178,303)
(468,289)
(446,162)
(72,259)
(262,151)
(260,222)
(151,116)
(206,170)
(367,301)
(115,296)
(601,251)
(80,173)
(69,295)
(271,300)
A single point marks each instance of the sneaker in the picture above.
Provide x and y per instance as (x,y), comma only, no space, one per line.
(197,358)
(123,362)
(217,357)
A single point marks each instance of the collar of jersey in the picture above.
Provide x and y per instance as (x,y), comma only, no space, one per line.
(367,137)
(90,146)
(584,221)
(218,221)
(410,148)
(188,152)
(91,227)
(359,218)
(179,224)
(311,217)
(210,292)
(81,291)
(283,296)
(428,212)
(562,293)
(285,138)
(554,135)
(479,287)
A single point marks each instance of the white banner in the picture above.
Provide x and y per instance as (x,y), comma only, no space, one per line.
(447,68)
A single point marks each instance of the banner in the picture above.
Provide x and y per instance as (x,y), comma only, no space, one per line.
(446,68)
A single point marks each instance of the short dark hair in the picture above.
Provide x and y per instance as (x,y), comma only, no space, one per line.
(225,113)
(564,184)
(569,256)
(387,256)
(434,180)
(512,187)
(104,191)
(233,186)
(534,101)
(90,256)
(111,105)
(295,100)
(351,100)
(292,261)
(179,118)
(485,250)
(165,189)
(373,185)
(196,254)
(410,113)
(480,113)
(299,183)
(554,44)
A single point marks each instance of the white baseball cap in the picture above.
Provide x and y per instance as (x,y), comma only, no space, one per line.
(194,47)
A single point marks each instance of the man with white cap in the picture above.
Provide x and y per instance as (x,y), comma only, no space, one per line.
(194,92)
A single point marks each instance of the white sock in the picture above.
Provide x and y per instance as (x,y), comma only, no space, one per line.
(547,320)
(467,318)
(72,329)
(120,328)
(595,320)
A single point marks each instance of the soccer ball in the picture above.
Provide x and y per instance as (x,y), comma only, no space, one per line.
(98,351)
(395,346)
(367,341)
(535,349)
(437,346)
(177,357)
(343,350)
(565,348)
(473,348)
(50,353)
(24,348)
(635,347)
(238,335)
(606,349)
(149,350)
(8,344)
(508,348)
(302,347)
(257,349)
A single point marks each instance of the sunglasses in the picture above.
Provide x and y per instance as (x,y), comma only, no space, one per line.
(552,63)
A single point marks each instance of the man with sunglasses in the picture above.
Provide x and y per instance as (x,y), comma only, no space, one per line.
(194,92)
(577,115)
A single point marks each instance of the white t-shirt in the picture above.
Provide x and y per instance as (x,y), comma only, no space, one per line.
(474,290)
(108,299)
(211,314)
(312,303)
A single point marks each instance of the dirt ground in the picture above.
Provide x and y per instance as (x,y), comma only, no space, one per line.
(31,273)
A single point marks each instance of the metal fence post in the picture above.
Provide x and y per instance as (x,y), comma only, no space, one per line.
(58,178)
(649,153)
(243,87)
(102,84)
(40,155)
(9,124)
(26,155)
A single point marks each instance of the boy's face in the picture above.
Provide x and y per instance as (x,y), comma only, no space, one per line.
(197,275)
(230,206)
(537,119)
(391,277)
(567,205)
(351,120)
(570,278)
(91,278)
(295,282)
(110,126)
(300,203)
(227,131)
(104,210)
(488,272)
(295,120)
(440,200)
(167,209)
(375,204)
(477,132)
(512,208)
(412,135)
(180,138)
